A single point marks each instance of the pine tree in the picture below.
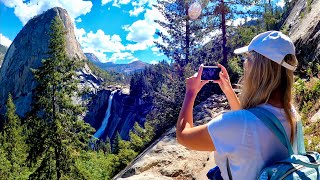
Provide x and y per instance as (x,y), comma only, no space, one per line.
(125,154)
(108,146)
(115,144)
(185,36)
(182,36)
(13,143)
(57,133)
(4,163)
(136,141)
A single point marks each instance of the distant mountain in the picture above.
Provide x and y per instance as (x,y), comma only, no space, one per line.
(120,68)
(3,50)
(93,58)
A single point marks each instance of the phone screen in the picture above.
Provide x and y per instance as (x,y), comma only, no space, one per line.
(210,73)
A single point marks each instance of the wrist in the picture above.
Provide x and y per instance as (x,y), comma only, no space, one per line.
(190,94)
(229,92)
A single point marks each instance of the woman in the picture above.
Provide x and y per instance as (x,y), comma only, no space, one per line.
(239,136)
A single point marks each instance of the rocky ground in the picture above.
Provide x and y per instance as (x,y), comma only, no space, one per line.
(167,159)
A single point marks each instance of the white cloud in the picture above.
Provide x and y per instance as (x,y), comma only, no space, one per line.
(136,59)
(5,41)
(154,62)
(134,3)
(99,40)
(144,2)
(155,49)
(26,10)
(239,21)
(122,56)
(136,11)
(141,31)
(114,57)
(116,3)
(126,27)
(281,3)
(100,43)
(136,47)
(104,2)
(153,14)
(158,54)
(100,54)
(209,37)
(78,20)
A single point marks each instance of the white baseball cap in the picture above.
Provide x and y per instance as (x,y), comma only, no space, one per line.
(273,45)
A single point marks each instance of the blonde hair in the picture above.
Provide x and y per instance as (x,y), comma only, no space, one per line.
(262,79)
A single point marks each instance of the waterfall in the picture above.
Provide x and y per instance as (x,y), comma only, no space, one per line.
(106,117)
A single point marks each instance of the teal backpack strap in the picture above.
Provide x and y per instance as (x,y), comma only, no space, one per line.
(300,141)
(229,171)
(298,161)
(273,123)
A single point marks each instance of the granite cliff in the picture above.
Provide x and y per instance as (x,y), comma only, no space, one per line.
(26,52)
(3,50)
(303,25)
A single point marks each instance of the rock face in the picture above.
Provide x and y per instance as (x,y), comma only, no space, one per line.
(304,29)
(166,159)
(125,111)
(26,52)
(3,50)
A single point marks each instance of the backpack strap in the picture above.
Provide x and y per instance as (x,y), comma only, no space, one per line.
(300,141)
(273,123)
(229,171)
(299,161)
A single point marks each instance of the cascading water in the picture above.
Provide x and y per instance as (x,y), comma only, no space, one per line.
(106,117)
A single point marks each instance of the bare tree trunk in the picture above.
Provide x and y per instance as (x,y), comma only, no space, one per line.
(224,34)
(187,36)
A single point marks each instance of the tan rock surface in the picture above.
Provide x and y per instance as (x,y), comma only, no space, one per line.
(167,159)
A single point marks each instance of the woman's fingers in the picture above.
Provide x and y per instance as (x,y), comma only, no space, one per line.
(200,71)
(224,71)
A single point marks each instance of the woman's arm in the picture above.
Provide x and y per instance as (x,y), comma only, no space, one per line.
(197,138)
(225,85)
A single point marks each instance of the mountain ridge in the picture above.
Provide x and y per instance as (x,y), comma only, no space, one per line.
(129,68)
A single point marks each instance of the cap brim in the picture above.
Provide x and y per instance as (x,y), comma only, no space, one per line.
(241,50)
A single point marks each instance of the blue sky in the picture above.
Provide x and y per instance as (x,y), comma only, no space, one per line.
(114,30)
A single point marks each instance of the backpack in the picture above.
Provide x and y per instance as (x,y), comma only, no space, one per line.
(304,165)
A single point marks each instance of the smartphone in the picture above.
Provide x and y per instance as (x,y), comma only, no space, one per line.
(210,73)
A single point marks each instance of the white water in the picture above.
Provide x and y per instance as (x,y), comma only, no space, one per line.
(106,117)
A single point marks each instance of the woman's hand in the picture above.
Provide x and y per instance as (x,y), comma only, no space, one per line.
(224,81)
(194,83)
(225,85)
